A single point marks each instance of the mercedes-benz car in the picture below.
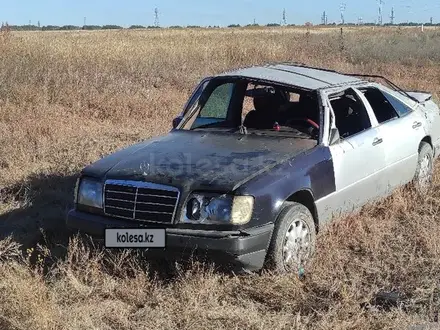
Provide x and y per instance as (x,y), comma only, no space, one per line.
(258,161)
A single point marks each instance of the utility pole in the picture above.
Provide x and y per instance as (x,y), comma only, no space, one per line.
(379,18)
(431,20)
(360,21)
(85,21)
(156,17)
(342,9)
(392,16)
(284,17)
(324,18)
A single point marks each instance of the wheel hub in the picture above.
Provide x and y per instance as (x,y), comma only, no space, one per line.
(297,242)
(425,173)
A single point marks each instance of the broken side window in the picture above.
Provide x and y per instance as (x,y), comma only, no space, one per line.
(401,108)
(351,114)
(382,108)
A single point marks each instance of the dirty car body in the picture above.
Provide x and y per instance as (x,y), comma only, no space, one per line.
(248,143)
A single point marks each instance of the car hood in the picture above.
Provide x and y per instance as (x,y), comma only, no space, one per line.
(199,159)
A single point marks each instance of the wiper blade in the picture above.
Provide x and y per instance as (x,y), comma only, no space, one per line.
(243,130)
(271,133)
(210,125)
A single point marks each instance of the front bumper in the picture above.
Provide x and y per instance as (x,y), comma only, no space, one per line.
(240,249)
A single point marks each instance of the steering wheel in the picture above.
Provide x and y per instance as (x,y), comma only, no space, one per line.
(304,120)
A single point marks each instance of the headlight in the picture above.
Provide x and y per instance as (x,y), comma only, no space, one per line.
(218,209)
(90,193)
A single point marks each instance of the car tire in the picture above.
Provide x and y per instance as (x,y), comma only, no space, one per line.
(288,240)
(425,169)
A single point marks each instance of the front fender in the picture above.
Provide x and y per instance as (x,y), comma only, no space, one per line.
(311,171)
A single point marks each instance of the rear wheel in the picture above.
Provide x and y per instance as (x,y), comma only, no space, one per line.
(425,168)
(293,240)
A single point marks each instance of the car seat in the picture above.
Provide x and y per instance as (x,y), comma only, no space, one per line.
(266,111)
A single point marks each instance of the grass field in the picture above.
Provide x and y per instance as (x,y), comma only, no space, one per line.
(69,98)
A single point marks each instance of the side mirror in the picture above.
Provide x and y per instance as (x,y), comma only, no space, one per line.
(334,136)
(176,121)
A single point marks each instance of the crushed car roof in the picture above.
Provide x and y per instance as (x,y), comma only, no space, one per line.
(296,75)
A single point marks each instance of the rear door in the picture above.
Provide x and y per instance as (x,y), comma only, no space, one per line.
(358,157)
(402,130)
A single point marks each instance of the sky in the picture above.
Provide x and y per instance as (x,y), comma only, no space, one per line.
(209,12)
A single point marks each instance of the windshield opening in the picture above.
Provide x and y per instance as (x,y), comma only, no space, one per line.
(246,107)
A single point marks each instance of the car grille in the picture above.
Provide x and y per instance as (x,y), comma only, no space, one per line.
(140,201)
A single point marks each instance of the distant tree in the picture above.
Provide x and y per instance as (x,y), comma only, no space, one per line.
(193,26)
(234,26)
(273,24)
(137,27)
(176,27)
(112,27)
(69,28)
(28,27)
(153,27)
(50,28)
(92,27)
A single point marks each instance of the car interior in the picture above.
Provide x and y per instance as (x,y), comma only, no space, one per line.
(276,105)
(263,109)
(350,113)
(382,108)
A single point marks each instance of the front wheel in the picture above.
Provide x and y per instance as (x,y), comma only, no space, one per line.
(425,168)
(293,240)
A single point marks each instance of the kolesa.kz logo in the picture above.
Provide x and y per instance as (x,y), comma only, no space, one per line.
(127,238)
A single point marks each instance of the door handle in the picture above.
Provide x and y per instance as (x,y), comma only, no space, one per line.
(377,141)
(416,124)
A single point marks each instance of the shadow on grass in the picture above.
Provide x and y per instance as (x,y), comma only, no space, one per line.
(36,212)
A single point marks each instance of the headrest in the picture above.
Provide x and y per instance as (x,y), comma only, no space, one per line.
(260,92)
(268,92)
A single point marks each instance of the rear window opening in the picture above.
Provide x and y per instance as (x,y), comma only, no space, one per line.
(385,106)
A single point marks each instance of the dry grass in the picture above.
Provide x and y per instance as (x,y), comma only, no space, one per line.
(66,99)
